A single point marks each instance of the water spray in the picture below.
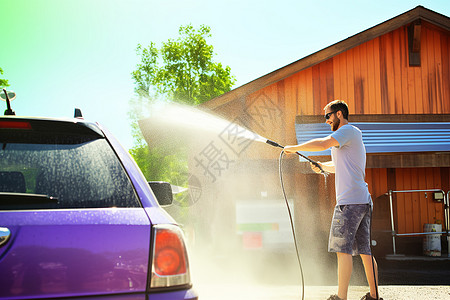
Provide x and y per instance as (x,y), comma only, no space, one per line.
(275,144)
(315,163)
(167,114)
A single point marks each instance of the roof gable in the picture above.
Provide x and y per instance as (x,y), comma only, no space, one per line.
(418,13)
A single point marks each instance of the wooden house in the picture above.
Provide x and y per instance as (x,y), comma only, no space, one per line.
(395,78)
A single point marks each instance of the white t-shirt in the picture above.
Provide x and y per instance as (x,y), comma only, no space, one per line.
(350,162)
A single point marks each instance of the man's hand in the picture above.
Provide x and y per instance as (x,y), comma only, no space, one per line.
(290,149)
(316,168)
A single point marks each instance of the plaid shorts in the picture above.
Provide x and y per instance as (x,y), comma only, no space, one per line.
(350,229)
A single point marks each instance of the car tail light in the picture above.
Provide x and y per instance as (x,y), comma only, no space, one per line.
(15,125)
(170,266)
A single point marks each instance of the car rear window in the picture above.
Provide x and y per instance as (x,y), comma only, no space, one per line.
(58,167)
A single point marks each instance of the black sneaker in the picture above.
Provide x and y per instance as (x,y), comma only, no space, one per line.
(368,297)
(334,297)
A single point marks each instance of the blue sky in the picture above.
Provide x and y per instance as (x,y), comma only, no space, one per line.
(62,54)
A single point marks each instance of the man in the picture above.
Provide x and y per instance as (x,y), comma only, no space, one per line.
(350,228)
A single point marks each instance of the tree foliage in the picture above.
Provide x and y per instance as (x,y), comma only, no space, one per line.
(3,82)
(181,70)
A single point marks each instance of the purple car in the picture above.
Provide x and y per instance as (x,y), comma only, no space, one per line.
(79,220)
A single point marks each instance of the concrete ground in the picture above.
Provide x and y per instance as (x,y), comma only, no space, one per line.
(255,292)
(400,278)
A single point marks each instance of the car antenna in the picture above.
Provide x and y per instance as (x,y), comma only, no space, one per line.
(8,111)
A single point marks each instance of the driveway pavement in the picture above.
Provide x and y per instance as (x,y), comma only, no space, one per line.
(401,278)
(259,292)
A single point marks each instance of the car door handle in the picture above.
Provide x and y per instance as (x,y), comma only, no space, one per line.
(5,233)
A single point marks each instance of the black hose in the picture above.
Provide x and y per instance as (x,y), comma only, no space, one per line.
(371,254)
(292,223)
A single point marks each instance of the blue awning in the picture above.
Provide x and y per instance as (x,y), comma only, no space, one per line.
(387,137)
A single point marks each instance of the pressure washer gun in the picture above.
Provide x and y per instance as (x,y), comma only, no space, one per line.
(315,163)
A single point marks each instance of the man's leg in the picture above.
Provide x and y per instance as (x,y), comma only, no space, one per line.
(368,268)
(345,266)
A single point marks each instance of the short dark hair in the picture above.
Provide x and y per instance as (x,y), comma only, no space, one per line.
(337,105)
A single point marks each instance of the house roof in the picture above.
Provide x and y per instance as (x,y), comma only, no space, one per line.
(417,13)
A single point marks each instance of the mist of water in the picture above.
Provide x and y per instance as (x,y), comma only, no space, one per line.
(195,122)
(237,224)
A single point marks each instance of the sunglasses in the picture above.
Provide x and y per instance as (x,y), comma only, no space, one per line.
(328,115)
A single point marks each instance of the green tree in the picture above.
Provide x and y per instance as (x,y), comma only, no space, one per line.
(3,82)
(183,71)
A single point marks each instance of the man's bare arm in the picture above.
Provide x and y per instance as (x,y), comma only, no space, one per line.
(318,144)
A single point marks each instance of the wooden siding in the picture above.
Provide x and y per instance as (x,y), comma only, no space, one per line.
(414,16)
(373,78)
(411,210)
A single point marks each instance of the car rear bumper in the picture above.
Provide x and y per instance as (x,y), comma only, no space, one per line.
(187,294)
